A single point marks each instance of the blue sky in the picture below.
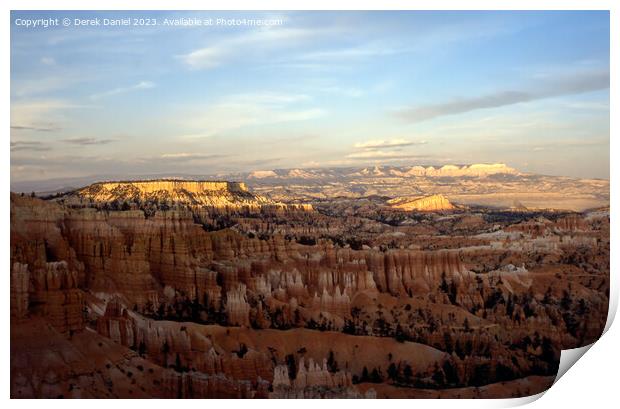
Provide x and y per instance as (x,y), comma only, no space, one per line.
(530,89)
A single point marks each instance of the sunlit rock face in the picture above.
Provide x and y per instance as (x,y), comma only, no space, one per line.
(206,289)
(483,184)
(477,170)
(432,203)
(167,193)
(205,193)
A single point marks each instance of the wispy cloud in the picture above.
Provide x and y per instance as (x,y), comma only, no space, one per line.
(392,143)
(88,141)
(42,85)
(379,154)
(363,51)
(242,110)
(48,61)
(261,162)
(40,128)
(569,144)
(382,149)
(249,43)
(351,92)
(39,115)
(35,146)
(142,85)
(576,84)
(187,156)
(271,98)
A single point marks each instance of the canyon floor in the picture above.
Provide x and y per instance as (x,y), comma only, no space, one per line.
(458,282)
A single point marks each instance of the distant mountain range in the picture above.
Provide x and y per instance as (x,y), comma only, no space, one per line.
(475,170)
(495,185)
(56,185)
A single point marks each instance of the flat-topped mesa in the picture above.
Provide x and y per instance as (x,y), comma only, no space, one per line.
(216,194)
(432,203)
(474,170)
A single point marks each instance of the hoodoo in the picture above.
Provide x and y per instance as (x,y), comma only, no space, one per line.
(206,289)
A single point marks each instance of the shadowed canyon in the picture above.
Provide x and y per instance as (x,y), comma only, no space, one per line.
(381,282)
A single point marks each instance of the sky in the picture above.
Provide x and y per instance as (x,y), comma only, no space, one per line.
(309,89)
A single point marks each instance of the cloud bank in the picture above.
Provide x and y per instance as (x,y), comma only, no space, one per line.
(393,143)
(122,90)
(577,84)
(88,141)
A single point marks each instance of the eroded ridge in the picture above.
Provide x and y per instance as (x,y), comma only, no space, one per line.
(344,298)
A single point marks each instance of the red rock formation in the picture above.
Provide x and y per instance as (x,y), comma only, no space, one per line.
(433,203)
(55,295)
(20,284)
(237,308)
(336,303)
(571,223)
(312,381)
(228,312)
(117,325)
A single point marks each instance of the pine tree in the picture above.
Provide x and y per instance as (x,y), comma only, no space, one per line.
(392,371)
(408,373)
(466,326)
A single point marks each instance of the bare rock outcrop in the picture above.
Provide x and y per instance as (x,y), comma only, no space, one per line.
(237,308)
(165,193)
(312,381)
(188,300)
(20,285)
(432,203)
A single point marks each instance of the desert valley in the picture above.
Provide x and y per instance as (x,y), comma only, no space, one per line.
(385,281)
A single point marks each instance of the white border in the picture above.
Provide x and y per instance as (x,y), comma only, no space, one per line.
(591,383)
